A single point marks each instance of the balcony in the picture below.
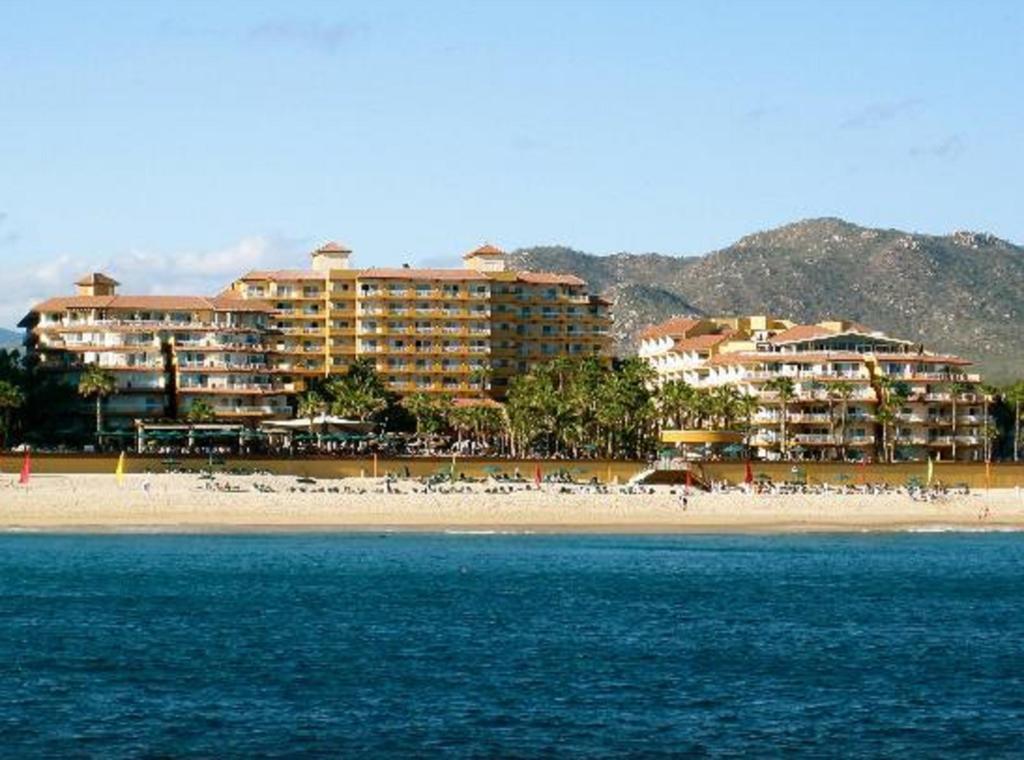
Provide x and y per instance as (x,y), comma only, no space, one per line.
(814,438)
(221,366)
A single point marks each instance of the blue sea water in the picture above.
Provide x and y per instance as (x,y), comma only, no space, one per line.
(513,646)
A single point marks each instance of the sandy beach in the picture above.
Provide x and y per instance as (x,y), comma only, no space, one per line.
(187,503)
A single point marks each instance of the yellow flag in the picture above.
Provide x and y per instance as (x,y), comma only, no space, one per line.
(931,470)
(119,471)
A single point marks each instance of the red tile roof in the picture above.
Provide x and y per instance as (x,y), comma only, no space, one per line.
(797,333)
(747,357)
(485,250)
(402,273)
(698,342)
(196,303)
(548,278)
(333,247)
(282,274)
(97,278)
(676,327)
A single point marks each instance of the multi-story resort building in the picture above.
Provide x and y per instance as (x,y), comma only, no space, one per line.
(164,352)
(849,386)
(463,332)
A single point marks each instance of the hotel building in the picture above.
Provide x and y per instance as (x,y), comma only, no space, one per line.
(463,332)
(838,370)
(164,352)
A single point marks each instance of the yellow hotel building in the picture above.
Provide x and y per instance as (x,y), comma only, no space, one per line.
(464,332)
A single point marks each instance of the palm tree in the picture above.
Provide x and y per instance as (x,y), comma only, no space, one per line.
(1014,395)
(11,397)
(747,405)
(886,418)
(100,384)
(841,391)
(358,394)
(310,405)
(899,392)
(893,394)
(786,389)
(481,377)
(200,411)
(957,388)
(674,399)
(432,414)
(988,431)
(723,406)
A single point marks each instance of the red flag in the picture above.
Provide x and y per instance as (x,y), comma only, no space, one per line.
(26,469)
(689,478)
(748,473)
(536,474)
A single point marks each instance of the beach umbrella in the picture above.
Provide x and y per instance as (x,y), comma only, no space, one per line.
(26,469)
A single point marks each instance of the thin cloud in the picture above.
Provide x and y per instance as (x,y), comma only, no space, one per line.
(875,114)
(311,34)
(950,147)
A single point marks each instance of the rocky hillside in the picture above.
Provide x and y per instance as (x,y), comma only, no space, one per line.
(962,292)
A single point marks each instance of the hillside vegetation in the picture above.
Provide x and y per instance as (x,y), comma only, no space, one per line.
(962,293)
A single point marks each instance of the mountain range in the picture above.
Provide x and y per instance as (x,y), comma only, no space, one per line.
(10,339)
(961,293)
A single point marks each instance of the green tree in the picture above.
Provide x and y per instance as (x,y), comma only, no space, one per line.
(673,400)
(785,388)
(432,413)
(310,405)
(200,411)
(841,391)
(957,388)
(893,394)
(11,398)
(747,405)
(359,394)
(99,384)
(1014,396)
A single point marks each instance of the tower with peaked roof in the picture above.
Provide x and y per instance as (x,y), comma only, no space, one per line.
(97,284)
(330,256)
(486,258)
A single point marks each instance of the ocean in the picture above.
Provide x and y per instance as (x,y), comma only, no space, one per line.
(390,645)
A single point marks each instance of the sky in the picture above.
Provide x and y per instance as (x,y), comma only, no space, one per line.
(177,144)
